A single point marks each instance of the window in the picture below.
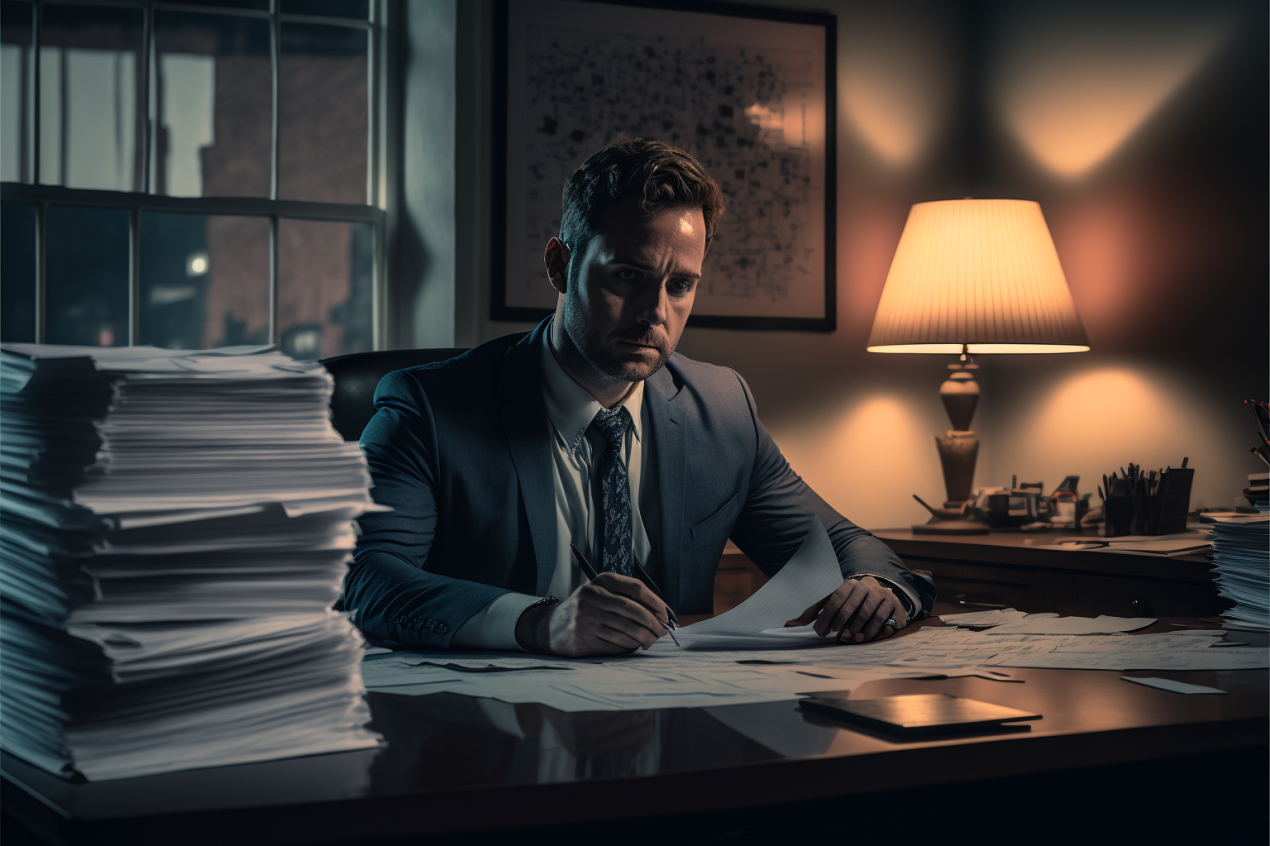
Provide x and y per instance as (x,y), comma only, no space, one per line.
(193,174)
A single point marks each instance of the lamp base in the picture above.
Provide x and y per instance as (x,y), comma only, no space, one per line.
(939,526)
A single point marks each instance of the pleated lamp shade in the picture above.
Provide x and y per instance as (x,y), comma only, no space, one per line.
(983,273)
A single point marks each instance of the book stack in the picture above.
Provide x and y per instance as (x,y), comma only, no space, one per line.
(174,528)
(1241,556)
(1258,491)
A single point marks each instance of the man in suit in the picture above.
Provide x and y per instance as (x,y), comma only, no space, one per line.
(591,430)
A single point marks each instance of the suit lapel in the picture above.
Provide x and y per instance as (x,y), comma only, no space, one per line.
(525,424)
(669,452)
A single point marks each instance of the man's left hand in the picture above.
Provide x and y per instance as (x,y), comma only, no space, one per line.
(856,612)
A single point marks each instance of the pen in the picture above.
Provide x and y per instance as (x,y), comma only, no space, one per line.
(590,573)
(587,569)
(642,575)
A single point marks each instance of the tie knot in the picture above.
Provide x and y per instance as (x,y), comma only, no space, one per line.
(612,424)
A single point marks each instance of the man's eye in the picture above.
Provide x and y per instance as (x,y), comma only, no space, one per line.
(626,275)
(681,287)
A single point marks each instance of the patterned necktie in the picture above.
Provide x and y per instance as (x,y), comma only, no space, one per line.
(613,493)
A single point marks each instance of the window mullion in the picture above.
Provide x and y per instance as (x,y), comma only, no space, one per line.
(37,20)
(134,276)
(373,49)
(273,280)
(275,25)
(149,123)
(41,300)
(37,34)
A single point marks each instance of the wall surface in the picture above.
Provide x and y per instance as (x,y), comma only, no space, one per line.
(421,303)
(1142,133)
(1141,130)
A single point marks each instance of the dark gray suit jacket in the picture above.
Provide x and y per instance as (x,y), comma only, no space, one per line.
(461,450)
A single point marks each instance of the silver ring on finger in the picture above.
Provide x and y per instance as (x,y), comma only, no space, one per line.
(891,622)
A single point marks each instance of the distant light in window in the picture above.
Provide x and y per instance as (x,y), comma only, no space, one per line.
(196,264)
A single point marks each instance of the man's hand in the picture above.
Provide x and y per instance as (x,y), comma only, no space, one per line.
(856,612)
(608,615)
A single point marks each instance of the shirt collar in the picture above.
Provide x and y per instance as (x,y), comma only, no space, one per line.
(570,407)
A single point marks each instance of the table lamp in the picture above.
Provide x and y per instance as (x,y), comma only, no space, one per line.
(972,277)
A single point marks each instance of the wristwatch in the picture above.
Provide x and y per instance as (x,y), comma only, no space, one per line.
(910,613)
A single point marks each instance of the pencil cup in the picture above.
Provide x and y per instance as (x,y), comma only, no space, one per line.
(1175,502)
(1118,516)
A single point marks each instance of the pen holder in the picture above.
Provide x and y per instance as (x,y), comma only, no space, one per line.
(1175,502)
(1117,516)
(1161,514)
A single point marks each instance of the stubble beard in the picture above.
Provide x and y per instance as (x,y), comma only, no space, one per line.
(590,344)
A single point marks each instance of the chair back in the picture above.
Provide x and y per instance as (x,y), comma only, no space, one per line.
(358,374)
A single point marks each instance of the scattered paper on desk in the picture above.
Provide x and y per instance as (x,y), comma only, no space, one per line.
(1035,624)
(1174,686)
(811,574)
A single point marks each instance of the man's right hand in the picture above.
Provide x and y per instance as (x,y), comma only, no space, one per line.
(609,615)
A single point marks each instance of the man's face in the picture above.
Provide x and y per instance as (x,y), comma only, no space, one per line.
(634,289)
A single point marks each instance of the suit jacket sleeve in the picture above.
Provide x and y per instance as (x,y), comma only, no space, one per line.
(389,588)
(773,522)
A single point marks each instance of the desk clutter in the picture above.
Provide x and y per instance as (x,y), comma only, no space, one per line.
(175,529)
(984,644)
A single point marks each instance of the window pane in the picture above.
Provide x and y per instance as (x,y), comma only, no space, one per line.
(260,5)
(17,272)
(87,276)
(324,287)
(15,104)
(204,280)
(215,105)
(322,114)
(90,90)
(357,9)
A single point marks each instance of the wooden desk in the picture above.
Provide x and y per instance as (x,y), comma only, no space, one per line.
(1006,568)
(1107,754)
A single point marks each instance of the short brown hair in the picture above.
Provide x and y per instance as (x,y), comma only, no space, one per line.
(661,175)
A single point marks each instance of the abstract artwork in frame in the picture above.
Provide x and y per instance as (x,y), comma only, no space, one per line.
(749,91)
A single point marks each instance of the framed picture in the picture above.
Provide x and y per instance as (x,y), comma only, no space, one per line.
(748,91)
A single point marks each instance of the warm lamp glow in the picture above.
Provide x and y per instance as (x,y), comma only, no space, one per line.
(979,275)
(1074,90)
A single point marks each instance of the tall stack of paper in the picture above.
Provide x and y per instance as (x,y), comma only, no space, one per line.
(1241,555)
(174,528)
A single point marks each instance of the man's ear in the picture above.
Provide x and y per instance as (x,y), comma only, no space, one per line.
(556,258)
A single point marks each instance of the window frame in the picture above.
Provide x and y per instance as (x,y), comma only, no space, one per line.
(383,152)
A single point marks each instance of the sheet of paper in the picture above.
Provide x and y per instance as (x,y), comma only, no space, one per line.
(810,575)
(1034,624)
(1174,686)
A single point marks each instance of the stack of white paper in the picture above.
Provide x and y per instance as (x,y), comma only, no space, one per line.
(1241,555)
(175,527)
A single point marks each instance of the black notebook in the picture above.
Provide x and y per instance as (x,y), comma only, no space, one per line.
(921,713)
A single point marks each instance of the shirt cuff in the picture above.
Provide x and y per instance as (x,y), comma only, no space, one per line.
(494,626)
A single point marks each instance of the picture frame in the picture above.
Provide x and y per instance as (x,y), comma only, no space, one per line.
(749,91)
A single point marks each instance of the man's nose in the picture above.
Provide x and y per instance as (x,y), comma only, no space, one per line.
(655,306)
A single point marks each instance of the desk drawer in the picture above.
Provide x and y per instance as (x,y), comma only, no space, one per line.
(1066,592)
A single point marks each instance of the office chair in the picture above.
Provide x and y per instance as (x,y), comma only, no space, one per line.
(358,374)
